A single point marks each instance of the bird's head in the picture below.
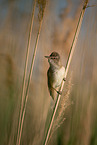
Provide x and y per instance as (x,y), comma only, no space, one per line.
(53,58)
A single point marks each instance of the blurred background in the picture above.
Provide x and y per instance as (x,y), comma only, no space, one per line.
(59,23)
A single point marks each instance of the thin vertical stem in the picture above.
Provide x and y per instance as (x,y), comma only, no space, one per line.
(67,68)
(30,74)
(25,71)
(29,79)
(27,89)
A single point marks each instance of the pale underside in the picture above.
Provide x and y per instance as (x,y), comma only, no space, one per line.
(55,79)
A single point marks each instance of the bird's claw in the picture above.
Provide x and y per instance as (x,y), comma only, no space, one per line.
(64,79)
(59,92)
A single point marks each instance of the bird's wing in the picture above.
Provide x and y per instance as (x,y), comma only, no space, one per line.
(51,90)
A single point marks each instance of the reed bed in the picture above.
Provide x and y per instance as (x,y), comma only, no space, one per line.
(28,127)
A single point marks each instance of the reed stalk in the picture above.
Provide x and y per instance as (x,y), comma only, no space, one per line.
(25,71)
(66,68)
(41,4)
(27,89)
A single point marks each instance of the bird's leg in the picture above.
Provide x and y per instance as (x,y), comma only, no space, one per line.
(59,92)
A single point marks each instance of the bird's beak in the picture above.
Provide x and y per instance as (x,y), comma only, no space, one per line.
(47,57)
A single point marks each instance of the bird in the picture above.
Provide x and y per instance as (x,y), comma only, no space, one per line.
(55,74)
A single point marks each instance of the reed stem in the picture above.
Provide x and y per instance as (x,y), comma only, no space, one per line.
(27,89)
(29,79)
(67,68)
(25,72)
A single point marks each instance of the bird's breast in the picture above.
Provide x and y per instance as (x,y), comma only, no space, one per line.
(58,76)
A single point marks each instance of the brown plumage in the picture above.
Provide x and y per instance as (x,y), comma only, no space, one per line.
(55,74)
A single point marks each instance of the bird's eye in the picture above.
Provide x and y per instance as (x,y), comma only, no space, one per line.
(54,57)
